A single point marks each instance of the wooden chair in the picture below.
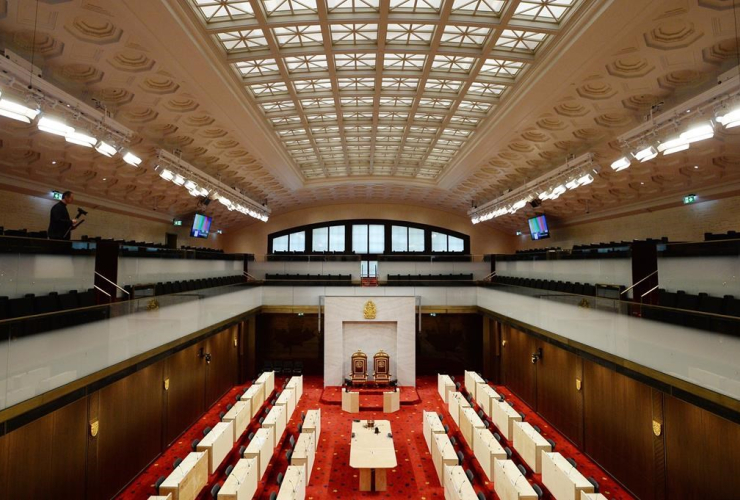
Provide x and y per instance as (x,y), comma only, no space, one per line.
(381,364)
(359,368)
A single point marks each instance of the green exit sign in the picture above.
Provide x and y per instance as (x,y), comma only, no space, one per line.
(177,222)
(689,199)
(56,195)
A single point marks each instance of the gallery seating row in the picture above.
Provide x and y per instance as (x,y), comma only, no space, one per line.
(189,285)
(402,279)
(552,285)
(702,302)
(287,367)
(616,245)
(312,279)
(24,233)
(539,250)
(729,235)
(54,302)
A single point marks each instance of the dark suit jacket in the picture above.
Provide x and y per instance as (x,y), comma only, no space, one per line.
(60,222)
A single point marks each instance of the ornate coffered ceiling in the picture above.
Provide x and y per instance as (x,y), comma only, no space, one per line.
(436,102)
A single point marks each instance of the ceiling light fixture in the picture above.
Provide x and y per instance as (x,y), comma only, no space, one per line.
(9,108)
(621,164)
(81,138)
(645,153)
(54,126)
(105,149)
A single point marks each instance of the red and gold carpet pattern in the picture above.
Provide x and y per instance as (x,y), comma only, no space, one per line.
(332,478)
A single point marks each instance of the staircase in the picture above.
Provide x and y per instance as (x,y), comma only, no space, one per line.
(369,281)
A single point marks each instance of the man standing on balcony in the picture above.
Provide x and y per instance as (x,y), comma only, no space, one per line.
(60,223)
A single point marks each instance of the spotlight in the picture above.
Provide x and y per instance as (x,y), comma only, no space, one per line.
(647,153)
(621,164)
(131,159)
(699,132)
(730,119)
(9,108)
(179,180)
(105,149)
(672,145)
(166,175)
(54,126)
(81,138)
(585,179)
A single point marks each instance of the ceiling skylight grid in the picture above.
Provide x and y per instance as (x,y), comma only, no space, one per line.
(332,90)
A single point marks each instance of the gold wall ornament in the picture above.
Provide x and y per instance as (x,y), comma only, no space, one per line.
(578,384)
(657,428)
(166,384)
(152,305)
(94,427)
(585,304)
(369,311)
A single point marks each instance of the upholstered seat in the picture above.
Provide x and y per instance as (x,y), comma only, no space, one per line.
(359,367)
(381,365)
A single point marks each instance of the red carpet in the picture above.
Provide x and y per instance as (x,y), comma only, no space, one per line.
(332,478)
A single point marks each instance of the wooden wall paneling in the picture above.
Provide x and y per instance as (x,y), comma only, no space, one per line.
(520,376)
(185,398)
(702,453)
(659,458)
(618,427)
(93,478)
(221,371)
(250,361)
(4,478)
(488,341)
(130,428)
(558,399)
(47,456)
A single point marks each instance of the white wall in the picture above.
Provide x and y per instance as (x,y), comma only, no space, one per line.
(718,276)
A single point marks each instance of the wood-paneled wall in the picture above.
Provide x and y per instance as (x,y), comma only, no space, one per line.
(137,419)
(696,455)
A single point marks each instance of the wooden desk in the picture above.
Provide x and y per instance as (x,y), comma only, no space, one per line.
(391,401)
(562,479)
(469,421)
(504,416)
(431,425)
(456,402)
(509,483)
(445,385)
(486,395)
(312,424)
(371,452)
(296,383)
(457,485)
(188,478)
(350,402)
(288,401)
(304,453)
(256,397)
(261,447)
(472,380)
(530,444)
(267,379)
(240,415)
(242,482)
(487,450)
(218,444)
(294,484)
(160,497)
(276,421)
(443,453)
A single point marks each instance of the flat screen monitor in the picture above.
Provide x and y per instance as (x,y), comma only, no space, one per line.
(538,227)
(201,226)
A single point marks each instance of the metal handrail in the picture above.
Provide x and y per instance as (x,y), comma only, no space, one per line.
(101,290)
(651,290)
(489,277)
(635,284)
(115,285)
(249,276)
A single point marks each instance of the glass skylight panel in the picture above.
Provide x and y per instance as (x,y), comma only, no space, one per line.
(316,62)
(293,142)
(218,10)
(452,64)
(483,7)
(318,85)
(409,34)
(285,7)
(257,67)
(356,101)
(285,120)
(357,115)
(324,130)
(277,106)
(392,116)
(357,61)
(486,89)
(416,5)
(400,83)
(456,132)
(520,41)
(434,85)
(428,117)
(354,33)
(415,129)
(353,5)
(396,101)
(435,103)
(404,61)
(356,83)
(479,106)
(464,36)
(543,10)
(501,68)
(268,89)
(325,102)
(321,117)
(464,120)
(242,40)
(298,36)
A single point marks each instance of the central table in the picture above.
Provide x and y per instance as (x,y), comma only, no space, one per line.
(372,452)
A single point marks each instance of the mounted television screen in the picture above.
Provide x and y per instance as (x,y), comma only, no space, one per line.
(538,227)
(201,226)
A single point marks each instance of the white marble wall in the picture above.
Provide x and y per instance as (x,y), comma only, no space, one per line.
(370,337)
(345,314)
